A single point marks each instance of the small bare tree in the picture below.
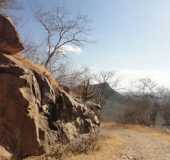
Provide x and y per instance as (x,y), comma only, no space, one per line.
(87,93)
(110,77)
(62,31)
(5,3)
(32,52)
(68,76)
(99,97)
(146,86)
(142,103)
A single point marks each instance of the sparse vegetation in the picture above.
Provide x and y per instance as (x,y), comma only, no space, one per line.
(52,109)
(146,104)
(84,145)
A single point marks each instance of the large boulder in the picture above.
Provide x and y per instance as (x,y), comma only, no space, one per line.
(20,98)
(35,111)
(9,39)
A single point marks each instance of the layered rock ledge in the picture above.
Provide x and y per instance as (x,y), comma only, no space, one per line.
(35,112)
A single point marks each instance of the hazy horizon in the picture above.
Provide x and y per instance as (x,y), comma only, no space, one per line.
(132,37)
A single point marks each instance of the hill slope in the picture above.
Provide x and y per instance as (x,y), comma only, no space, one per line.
(114,102)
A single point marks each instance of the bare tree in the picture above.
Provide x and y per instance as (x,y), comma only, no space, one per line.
(146,86)
(99,97)
(142,103)
(110,77)
(5,5)
(70,76)
(62,31)
(87,93)
(79,81)
(163,95)
(32,52)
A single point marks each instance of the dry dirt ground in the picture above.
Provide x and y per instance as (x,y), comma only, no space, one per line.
(128,142)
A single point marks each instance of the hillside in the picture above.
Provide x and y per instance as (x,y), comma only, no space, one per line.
(107,91)
(114,102)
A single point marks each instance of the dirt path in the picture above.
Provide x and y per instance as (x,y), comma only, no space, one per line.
(130,143)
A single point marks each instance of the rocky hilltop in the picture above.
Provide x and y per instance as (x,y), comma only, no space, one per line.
(35,112)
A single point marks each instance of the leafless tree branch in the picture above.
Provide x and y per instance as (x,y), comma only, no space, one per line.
(62,30)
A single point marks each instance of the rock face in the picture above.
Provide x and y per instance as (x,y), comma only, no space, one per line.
(35,111)
(9,39)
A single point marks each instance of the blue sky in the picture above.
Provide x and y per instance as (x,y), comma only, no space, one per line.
(132,36)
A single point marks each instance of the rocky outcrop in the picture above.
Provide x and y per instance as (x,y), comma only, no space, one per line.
(9,39)
(35,112)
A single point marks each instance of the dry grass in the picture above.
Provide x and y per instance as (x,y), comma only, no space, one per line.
(20,59)
(113,142)
(62,152)
(106,146)
(155,132)
(84,145)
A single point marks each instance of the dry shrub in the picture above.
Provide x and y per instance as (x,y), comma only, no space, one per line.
(84,144)
(35,67)
(137,115)
(56,152)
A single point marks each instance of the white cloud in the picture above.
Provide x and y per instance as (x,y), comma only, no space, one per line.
(130,76)
(71,49)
